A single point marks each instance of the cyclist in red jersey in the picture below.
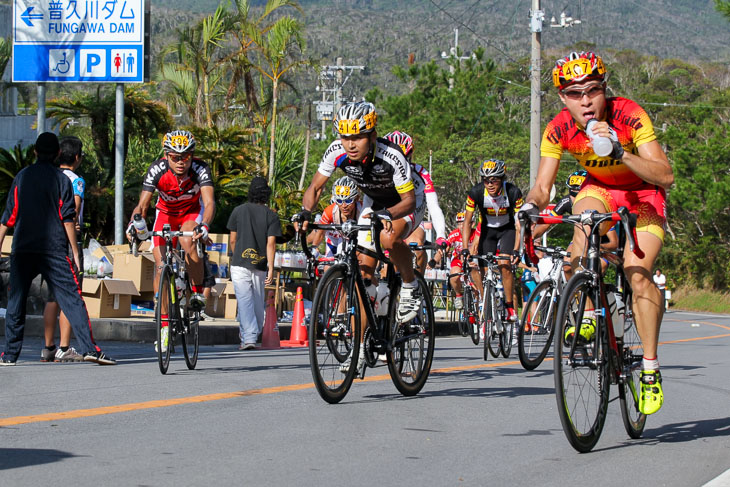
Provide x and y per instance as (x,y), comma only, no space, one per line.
(635,174)
(186,201)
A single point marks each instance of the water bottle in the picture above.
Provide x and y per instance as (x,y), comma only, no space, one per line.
(371,290)
(141,227)
(602,146)
(616,308)
(382,299)
(179,285)
(500,290)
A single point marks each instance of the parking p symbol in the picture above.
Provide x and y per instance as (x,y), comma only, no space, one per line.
(93,63)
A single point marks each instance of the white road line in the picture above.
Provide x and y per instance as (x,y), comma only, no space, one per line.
(722,480)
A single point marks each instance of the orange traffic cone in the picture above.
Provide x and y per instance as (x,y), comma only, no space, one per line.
(270,336)
(298,337)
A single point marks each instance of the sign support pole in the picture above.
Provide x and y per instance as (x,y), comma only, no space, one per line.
(119,166)
(41,117)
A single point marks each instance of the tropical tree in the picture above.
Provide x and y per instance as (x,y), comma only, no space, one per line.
(11,162)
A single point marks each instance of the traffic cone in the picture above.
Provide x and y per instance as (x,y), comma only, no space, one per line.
(270,336)
(298,337)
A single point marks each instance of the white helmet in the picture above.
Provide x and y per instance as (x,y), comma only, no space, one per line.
(355,118)
(344,191)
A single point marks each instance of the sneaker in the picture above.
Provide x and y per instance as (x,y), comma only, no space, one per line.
(70,355)
(511,314)
(99,358)
(49,355)
(482,330)
(345,366)
(247,346)
(7,361)
(164,333)
(206,317)
(410,303)
(458,302)
(652,395)
(587,329)
(197,301)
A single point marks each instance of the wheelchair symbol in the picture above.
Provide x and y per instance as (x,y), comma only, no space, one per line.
(63,65)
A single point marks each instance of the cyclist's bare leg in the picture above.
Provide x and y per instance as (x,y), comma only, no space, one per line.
(579,243)
(392,241)
(193,262)
(456,281)
(419,237)
(648,306)
(507,281)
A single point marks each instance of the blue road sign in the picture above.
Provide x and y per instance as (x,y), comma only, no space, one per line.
(78,41)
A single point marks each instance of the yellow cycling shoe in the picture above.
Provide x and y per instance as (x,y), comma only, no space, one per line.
(651,397)
(587,330)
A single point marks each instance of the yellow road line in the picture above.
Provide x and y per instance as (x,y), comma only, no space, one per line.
(162,403)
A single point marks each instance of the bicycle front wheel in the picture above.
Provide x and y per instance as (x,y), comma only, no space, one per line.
(581,367)
(630,387)
(472,314)
(411,355)
(190,334)
(165,317)
(493,322)
(334,334)
(537,326)
(465,314)
(505,339)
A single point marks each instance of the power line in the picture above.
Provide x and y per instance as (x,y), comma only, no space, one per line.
(680,105)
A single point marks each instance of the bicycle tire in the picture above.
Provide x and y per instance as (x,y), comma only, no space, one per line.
(190,332)
(581,390)
(533,346)
(166,297)
(410,359)
(464,313)
(630,386)
(491,337)
(473,318)
(505,339)
(332,340)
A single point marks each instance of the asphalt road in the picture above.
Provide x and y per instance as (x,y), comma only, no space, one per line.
(254,418)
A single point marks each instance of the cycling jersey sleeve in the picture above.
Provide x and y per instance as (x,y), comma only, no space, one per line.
(153,175)
(402,178)
(327,215)
(203,172)
(332,157)
(437,215)
(472,199)
(645,132)
(515,197)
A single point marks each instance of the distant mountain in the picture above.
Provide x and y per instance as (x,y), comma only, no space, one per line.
(380,33)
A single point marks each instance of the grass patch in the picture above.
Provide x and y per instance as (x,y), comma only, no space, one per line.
(700,300)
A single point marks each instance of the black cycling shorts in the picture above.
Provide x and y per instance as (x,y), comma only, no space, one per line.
(502,238)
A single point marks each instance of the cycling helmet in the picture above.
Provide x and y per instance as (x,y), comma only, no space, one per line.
(355,118)
(344,191)
(403,140)
(178,141)
(577,67)
(575,180)
(492,168)
(460,217)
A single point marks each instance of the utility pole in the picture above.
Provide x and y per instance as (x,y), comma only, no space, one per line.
(454,52)
(330,83)
(536,18)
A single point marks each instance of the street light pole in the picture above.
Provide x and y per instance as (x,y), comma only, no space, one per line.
(536,18)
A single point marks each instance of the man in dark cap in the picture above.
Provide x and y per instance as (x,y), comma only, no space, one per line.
(41,210)
(254,228)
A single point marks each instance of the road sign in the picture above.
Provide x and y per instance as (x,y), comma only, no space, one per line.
(79,40)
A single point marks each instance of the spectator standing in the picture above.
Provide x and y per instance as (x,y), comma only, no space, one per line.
(69,161)
(41,209)
(661,282)
(254,228)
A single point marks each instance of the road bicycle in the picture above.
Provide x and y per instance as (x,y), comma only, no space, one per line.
(469,316)
(335,324)
(173,300)
(537,325)
(586,366)
(498,329)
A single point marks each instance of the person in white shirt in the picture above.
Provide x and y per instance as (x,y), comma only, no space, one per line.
(661,282)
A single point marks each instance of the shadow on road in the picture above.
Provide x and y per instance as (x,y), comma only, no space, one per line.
(26,457)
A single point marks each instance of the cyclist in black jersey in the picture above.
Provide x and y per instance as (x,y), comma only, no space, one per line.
(391,192)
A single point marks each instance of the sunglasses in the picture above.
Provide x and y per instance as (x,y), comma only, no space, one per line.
(347,201)
(179,157)
(492,180)
(590,92)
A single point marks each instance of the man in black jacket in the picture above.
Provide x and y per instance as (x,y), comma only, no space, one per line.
(41,209)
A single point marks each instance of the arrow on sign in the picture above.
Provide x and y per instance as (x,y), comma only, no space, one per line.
(27,17)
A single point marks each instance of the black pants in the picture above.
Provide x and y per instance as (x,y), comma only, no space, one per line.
(59,272)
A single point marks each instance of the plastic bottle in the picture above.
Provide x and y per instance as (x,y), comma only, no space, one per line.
(382,299)
(602,146)
(371,290)
(141,227)
(616,308)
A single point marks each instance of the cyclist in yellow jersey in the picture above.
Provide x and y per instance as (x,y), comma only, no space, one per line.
(635,174)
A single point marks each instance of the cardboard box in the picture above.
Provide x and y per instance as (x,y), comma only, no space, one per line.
(219,243)
(108,298)
(231,307)
(7,246)
(140,270)
(137,309)
(216,305)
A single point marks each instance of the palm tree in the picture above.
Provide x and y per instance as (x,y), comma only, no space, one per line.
(11,162)
(197,69)
(279,48)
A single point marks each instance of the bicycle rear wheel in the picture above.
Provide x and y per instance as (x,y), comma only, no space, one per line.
(334,334)
(630,387)
(411,356)
(581,368)
(473,322)
(465,314)
(189,335)
(536,328)
(493,320)
(505,339)
(167,301)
